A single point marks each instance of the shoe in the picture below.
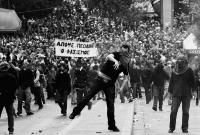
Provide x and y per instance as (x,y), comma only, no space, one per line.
(30,113)
(170,131)
(160,109)
(40,107)
(19,114)
(122,101)
(154,108)
(44,102)
(11,132)
(72,116)
(114,129)
(131,100)
(64,114)
(89,105)
(185,131)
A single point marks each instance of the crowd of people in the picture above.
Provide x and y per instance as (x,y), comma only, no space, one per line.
(30,56)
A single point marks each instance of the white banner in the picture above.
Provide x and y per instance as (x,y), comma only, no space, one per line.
(67,48)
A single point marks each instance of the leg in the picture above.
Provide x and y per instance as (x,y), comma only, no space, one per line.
(155,101)
(174,109)
(147,93)
(93,91)
(185,109)
(139,90)
(79,95)
(122,96)
(28,100)
(160,97)
(9,111)
(73,97)
(38,96)
(20,100)
(110,99)
(64,109)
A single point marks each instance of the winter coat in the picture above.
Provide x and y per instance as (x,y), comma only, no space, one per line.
(8,86)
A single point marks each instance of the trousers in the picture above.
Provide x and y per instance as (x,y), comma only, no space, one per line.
(9,111)
(176,101)
(109,90)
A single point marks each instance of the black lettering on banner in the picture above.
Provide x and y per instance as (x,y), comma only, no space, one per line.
(73,51)
(62,44)
(58,44)
(62,50)
(86,52)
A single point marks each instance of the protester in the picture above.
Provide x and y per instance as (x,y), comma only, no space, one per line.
(7,93)
(117,62)
(63,87)
(181,88)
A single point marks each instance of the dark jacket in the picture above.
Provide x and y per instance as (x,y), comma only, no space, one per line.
(80,78)
(26,78)
(182,84)
(135,75)
(8,86)
(145,75)
(159,76)
(63,82)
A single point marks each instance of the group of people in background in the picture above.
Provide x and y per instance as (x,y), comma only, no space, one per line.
(29,64)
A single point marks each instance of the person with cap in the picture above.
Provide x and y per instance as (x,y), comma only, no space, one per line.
(116,63)
(181,89)
(7,93)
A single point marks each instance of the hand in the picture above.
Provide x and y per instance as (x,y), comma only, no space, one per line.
(116,65)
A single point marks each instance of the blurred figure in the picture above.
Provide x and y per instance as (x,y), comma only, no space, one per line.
(26,82)
(51,75)
(63,87)
(7,93)
(158,78)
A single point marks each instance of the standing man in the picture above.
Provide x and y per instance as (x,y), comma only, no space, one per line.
(158,78)
(26,82)
(63,87)
(7,93)
(116,63)
(181,87)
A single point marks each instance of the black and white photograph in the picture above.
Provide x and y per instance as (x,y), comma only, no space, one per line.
(99,67)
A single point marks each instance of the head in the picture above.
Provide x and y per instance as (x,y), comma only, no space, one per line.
(125,57)
(125,49)
(4,66)
(181,64)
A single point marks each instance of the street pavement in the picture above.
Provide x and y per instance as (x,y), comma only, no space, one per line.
(150,122)
(49,120)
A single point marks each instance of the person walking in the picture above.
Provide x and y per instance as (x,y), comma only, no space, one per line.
(26,80)
(7,93)
(181,88)
(158,78)
(116,63)
(63,87)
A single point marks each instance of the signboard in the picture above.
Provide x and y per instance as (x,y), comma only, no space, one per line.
(9,21)
(67,48)
(190,44)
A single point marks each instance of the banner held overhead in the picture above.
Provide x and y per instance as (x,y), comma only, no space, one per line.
(67,48)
